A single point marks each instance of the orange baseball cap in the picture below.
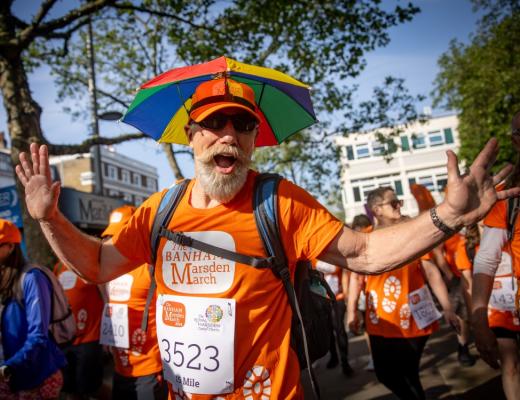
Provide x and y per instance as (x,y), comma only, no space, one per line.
(118,218)
(9,233)
(222,93)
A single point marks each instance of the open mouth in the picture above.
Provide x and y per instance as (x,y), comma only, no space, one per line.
(225,162)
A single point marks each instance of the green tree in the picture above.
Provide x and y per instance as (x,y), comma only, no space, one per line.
(320,42)
(481,80)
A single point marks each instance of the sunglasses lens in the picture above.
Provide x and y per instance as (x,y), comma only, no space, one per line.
(214,121)
(244,122)
(396,203)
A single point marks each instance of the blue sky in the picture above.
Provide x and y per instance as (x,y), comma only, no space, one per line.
(412,54)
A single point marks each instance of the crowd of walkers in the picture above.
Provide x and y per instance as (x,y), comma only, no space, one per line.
(211,319)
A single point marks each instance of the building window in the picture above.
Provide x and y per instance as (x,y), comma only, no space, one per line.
(136,179)
(113,193)
(151,184)
(127,197)
(442,181)
(411,181)
(357,194)
(366,189)
(125,176)
(426,181)
(398,188)
(362,150)
(418,141)
(111,172)
(350,153)
(435,138)
(378,148)
(405,143)
(448,135)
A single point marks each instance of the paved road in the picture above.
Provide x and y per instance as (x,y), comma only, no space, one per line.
(441,375)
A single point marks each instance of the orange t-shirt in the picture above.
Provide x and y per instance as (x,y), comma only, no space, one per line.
(143,356)
(450,251)
(85,301)
(497,218)
(388,312)
(252,299)
(461,256)
(503,279)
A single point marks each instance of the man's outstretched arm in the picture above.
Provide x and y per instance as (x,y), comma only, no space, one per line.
(93,259)
(469,198)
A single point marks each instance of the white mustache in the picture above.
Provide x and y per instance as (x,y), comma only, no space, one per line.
(222,149)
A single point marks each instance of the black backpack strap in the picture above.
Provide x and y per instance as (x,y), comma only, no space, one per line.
(183,240)
(265,209)
(167,207)
(513,204)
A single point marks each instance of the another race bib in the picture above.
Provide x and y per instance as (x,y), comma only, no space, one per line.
(503,295)
(423,308)
(114,326)
(197,342)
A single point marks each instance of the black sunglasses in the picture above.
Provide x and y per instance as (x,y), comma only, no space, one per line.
(242,122)
(393,203)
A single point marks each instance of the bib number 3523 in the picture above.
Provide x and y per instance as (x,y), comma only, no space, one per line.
(196,337)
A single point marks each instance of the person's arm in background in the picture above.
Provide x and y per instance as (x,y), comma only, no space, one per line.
(434,278)
(441,263)
(484,269)
(37,304)
(356,285)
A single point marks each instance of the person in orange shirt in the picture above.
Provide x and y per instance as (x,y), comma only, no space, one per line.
(137,360)
(495,313)
(223,326)
(338,280)
(400,313)
(83,375)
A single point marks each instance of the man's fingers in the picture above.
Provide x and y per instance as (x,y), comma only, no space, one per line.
(21,175)
(35,159)
(507,193)
(44,162)
(502,174)
(453,167)
(487,156)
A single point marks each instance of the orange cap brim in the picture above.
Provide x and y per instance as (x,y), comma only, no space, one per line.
(202,112)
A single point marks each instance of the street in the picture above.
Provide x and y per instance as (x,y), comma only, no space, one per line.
(441,375)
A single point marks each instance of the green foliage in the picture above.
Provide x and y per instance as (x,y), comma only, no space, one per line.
(481,80)
(319,42)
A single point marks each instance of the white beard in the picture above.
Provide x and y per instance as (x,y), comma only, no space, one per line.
(221,187)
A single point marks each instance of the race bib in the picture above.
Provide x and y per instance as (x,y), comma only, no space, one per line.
(197,343)
(423,308)
(503,295)
(114,326)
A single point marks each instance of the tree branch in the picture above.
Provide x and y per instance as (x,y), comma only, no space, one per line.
(42,12)
(25,37)
(130,7)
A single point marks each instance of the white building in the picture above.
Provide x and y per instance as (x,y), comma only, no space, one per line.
(123,177)
(420,158)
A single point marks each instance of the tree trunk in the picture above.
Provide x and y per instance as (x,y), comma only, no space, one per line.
(168,149)
(23,121)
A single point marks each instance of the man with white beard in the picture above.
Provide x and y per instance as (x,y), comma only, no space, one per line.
(223,326)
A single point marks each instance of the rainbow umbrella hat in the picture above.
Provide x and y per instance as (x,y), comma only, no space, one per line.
(160,107)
